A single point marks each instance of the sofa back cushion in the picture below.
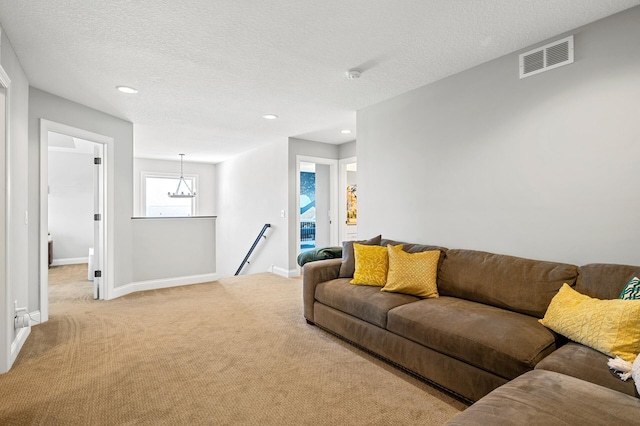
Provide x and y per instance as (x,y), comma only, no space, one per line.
(605,280)
(416,248)
(348,266)
(411,247)
(520,285)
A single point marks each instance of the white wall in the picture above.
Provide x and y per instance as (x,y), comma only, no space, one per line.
(43,105)
(6,338)
(71,205)
(544,167)
(5,311)
(206,193)
(252,189)
(16,233)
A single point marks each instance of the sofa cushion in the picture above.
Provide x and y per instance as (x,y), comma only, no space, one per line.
(499,341)
(605,280)
(583,362)
(521,285)
(364,302)
(610,326)
(372,264)
(547,398)
(631,291)
(348,265)
(412,273)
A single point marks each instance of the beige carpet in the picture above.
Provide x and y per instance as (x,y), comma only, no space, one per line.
(231,352)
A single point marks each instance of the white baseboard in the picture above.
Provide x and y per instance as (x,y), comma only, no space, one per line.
(291,273)
(16,345)
(70,261)
(162,283)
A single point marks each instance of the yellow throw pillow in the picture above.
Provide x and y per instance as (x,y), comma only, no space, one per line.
(609,326)
(412,273)
(371,265)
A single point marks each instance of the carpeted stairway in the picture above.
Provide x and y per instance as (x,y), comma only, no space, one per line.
(231,352)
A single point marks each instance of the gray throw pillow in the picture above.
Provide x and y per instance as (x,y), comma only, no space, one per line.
(348,266)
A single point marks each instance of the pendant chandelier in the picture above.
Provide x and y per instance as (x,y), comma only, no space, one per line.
(178,193)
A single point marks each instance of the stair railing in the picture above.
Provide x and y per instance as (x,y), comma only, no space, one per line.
(255,243)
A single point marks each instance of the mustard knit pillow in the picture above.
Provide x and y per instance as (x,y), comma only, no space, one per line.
(609,326)
(371,265)
(412,273)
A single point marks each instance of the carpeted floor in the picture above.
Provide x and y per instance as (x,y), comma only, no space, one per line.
(231,352)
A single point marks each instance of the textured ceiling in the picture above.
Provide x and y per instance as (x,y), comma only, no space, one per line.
(207,71)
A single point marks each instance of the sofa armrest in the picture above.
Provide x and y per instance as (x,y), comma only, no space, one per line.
(314,273)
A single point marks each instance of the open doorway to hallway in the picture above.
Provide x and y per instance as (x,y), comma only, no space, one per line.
(348,207)
(72,191)
(317,201)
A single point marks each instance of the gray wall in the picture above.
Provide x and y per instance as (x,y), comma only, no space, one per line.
(173,247)
(544,167)
(16,233)
(347,150)
(251,191)
(59,110)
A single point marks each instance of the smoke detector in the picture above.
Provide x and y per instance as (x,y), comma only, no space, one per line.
(353,73)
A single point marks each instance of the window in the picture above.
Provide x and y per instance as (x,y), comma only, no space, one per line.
(155,199)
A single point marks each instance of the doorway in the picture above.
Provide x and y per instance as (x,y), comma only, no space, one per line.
(348,210)
(74,187)
(76,204)
(316,180)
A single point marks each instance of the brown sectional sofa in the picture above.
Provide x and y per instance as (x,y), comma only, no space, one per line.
(483,330)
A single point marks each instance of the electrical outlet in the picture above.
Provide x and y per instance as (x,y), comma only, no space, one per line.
(21,316)
(22,320)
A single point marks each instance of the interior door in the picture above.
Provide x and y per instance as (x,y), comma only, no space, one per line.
(317,190)
(98,222)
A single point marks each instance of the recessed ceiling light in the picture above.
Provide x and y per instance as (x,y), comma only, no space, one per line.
(128,90)
(270,116)
(346,131)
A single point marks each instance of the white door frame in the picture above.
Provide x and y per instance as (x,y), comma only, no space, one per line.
(6,306)
(333,191)
(47,126)
(342,209)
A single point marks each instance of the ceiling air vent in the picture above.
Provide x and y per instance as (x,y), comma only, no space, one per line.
(552,55)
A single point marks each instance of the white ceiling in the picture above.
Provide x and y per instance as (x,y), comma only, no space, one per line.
(207,71)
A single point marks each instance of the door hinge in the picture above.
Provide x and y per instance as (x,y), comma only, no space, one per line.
(97,274)
(97,217)
(97,160)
